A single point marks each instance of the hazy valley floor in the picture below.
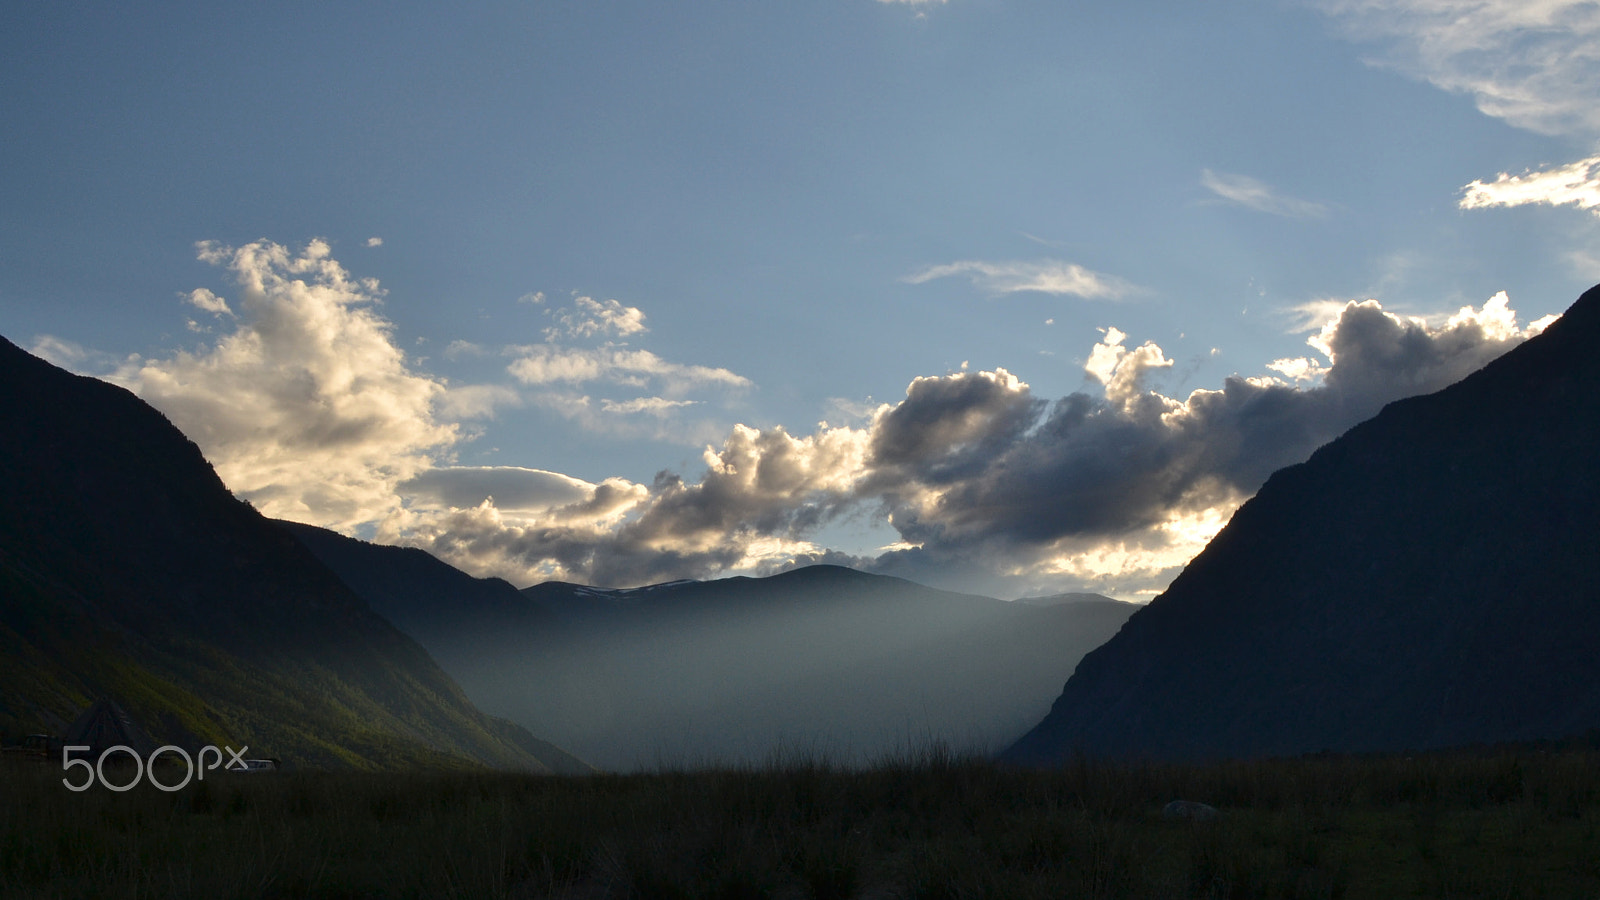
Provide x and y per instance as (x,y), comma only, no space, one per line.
(1523,824)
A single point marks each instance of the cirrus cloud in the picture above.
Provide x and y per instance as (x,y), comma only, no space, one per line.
(1533,63)
(1048,276)
(540,364)
(1250,193)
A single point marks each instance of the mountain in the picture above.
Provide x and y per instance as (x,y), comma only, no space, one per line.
(459,619)
(1428,579)
(129,572)
(822,659)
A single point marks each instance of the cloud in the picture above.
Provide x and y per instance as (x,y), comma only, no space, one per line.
(1242,190)
(459,348)
(542,364)
(511,487)
(1122,370)
(374,242)
(987,484)
(1534,64)
(1299,369)
(588,317)
(66,354)
(475,401)
(758,493)
(950,426)
(307,408)
(1313,314)
(1049,276)
(558,372)
(1577,184)
(1130,477)
(200,298)
(651,405)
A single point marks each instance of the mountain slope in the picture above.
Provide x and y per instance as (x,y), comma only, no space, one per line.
(128,571)
(455,616)
(1427,579)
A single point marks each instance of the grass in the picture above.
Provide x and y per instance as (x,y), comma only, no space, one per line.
(927,825)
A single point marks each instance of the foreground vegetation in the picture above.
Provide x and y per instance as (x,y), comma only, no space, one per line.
(1523,824)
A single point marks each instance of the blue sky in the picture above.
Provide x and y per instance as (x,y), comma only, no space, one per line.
(612,263)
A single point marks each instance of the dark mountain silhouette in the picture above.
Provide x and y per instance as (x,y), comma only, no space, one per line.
(459,619)
(128,572)
(821,659)
(1429,579)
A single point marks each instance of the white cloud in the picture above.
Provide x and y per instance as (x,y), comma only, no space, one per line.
(374,242)
(588,318)
(1577,184)
(308,408)
(459,348)
(1249,193)
(650,405)
(63,353)
(1533,63)
(1049,276)
(1299,368)
(476,401)
(547,364)
(1313,314)
(200,298)
(1122,370)
(512,488)
(556,370)
(653,418)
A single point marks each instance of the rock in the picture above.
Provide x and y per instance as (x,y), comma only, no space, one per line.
(1189,810)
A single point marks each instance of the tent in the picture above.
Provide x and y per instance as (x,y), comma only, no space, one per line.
(103,725)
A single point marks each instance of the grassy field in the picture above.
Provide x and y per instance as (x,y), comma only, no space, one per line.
(1523,824)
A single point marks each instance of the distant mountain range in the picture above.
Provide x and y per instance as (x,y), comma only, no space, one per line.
(1429,579)
(128,572)
(822,660)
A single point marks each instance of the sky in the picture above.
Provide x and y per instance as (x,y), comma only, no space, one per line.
(1004,296)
